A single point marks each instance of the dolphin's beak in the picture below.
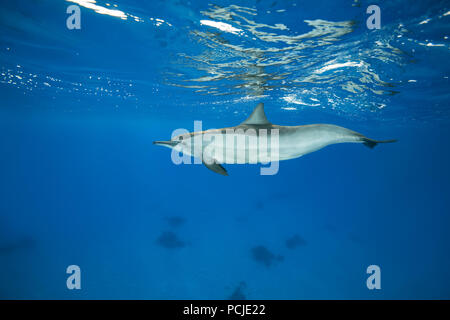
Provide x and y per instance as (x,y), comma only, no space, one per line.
(167,143)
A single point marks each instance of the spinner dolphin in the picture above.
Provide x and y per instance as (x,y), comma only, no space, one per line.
(256,140)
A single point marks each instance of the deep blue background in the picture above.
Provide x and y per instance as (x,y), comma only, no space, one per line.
(81,182)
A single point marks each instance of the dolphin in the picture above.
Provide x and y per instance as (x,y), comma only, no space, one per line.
(218,146)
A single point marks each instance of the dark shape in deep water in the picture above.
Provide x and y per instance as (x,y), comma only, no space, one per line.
(22,243)
(238,293)
(295,241)
(175,221)
(170,240)
(262,255)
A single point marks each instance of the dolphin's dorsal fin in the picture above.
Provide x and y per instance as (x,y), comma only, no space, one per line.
(258,116)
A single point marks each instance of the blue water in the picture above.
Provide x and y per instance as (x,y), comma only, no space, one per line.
(82,184)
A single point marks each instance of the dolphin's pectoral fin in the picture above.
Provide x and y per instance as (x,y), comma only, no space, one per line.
(212,164)
(216,167)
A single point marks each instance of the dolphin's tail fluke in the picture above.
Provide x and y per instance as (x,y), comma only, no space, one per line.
(372,143)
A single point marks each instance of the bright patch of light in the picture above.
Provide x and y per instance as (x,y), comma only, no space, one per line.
(221,26)
(291,98)
(425,21)
(90,4)
(339,65)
